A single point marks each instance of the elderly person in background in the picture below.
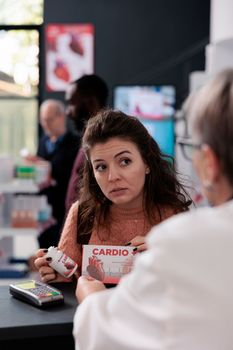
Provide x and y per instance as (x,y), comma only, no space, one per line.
(59,147)
(179,295)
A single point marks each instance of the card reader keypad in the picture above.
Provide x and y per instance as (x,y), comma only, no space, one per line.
(43,291)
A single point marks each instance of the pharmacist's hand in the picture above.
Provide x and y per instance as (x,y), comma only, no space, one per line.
(87,285)
(47,273)
(139,243)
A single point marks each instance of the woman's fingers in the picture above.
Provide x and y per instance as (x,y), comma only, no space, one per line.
(46,270)
(41,252)
(40,258)
(48,277)
(136,241)
(47,274)
(140,248)
(139,243)
(39,262)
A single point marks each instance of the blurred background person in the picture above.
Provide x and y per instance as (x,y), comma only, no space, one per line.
(84,98)
(59,147)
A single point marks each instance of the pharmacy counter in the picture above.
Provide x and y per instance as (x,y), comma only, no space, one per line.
(25,326)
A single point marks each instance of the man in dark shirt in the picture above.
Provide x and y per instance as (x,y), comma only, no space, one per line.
(59,147)
(84,98)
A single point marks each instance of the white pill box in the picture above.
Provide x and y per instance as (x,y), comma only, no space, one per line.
(107,263)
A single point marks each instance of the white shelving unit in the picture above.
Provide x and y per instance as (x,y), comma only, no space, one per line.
(24,239)
(12,231)
(19,186)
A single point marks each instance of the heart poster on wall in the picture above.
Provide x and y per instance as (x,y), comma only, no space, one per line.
(69,53)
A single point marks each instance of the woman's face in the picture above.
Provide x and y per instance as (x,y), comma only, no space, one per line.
(119,171)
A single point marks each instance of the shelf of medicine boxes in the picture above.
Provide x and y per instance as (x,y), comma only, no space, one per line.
(18,186)
(12,231)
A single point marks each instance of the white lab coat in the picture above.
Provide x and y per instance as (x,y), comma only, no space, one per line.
(179,295)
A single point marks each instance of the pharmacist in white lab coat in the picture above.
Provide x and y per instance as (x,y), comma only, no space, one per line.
(180,294)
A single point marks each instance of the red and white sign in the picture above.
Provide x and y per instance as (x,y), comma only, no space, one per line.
(69,53)
(107,263)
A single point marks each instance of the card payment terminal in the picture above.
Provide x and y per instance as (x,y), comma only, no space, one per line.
(36,293)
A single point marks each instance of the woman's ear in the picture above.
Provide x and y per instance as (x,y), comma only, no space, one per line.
(211,164)
(147,170)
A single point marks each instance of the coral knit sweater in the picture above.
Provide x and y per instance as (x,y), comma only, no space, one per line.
(126,224)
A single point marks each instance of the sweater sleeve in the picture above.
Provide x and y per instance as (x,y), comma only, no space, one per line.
(68,241)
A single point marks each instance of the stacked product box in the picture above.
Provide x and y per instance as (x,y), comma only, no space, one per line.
(107,263)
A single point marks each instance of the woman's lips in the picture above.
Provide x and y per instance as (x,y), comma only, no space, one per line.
(118,191)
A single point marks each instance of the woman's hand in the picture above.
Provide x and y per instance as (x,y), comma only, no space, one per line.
(47,273)
(87,285)
(139,243)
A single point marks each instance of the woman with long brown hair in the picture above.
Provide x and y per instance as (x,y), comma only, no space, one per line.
(128,187)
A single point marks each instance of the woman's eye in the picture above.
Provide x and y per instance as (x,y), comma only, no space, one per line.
(100,167)
(125,161)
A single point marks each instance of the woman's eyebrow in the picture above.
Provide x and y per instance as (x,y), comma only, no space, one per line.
(98,160)
(120,153)
(116,155)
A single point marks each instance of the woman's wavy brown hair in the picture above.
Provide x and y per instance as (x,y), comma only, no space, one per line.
(161,185)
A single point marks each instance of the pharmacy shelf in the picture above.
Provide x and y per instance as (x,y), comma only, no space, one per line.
(19,186)
(13,231)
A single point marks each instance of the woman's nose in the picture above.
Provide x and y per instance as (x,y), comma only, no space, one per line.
(113,174)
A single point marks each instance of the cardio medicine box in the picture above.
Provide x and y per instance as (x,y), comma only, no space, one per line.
(107,263)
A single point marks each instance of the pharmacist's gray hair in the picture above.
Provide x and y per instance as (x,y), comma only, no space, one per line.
(210,112)
(57,106)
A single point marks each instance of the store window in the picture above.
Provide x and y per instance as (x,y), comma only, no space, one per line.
(19,75)
(19,12)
